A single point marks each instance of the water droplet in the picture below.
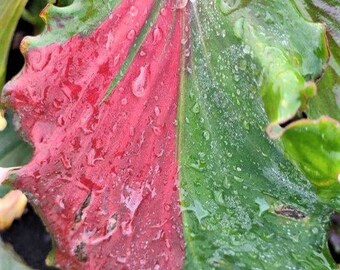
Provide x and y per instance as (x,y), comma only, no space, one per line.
(133,11)
(239,27)
(246,49)
(131,131)
(238,179)
(131,34)
(157,35)
(124,101)
(206,135)
(157,111)
(264,206)
(66,162)
(184,41)
(243,65)
(196,108)
(198,210)
(116,60)
(246,124)
(219,198)
(228,6)
(226,183)
(121,259)
(315,230)
(181,4)
(167,207)
(157,130)
(163,11)
(61,121)
(268,18)
(138,85)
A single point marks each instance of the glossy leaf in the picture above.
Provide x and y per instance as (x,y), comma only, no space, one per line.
(10,12)
(245,204)
(119,153)
(327,101)
(13,150)
(316,147)
(320,165)
(120,100)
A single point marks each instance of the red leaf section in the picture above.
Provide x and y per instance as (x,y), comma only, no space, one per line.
(104,175)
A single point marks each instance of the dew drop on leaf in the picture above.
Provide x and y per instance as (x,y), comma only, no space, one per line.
(133,11)
(227,6)
(131,34)
(138,85)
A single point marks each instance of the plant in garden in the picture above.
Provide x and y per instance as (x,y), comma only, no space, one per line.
(148,123)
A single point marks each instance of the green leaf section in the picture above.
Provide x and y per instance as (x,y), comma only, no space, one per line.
(315,145)
(245,205)
(290,59)
(10,12)
(13,150)
(8,260)
(327,101)
(65,22)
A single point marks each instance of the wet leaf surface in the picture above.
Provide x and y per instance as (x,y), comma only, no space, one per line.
(148,125)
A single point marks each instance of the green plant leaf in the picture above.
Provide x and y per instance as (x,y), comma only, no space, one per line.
(315,145)
(245,205)
(313,137)
(10,12)
(327,101)
(13,150)
(98,99)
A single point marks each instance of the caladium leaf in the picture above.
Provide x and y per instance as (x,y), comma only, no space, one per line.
(315,136)
(316,146)
(327,101)
(147,121)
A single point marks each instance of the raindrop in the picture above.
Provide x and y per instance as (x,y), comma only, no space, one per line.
(263,205)
(226,183)
(206,135)
(239,28)
(246,49)
(61,121)
(196,108)
(157,35)
(66,162)
(181,4)
(163,11)
(157,111)
(131,34)
(133,11)
(238,179)
(121,259)
(138,85)
(157,130)
(228,6)
(124,101)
